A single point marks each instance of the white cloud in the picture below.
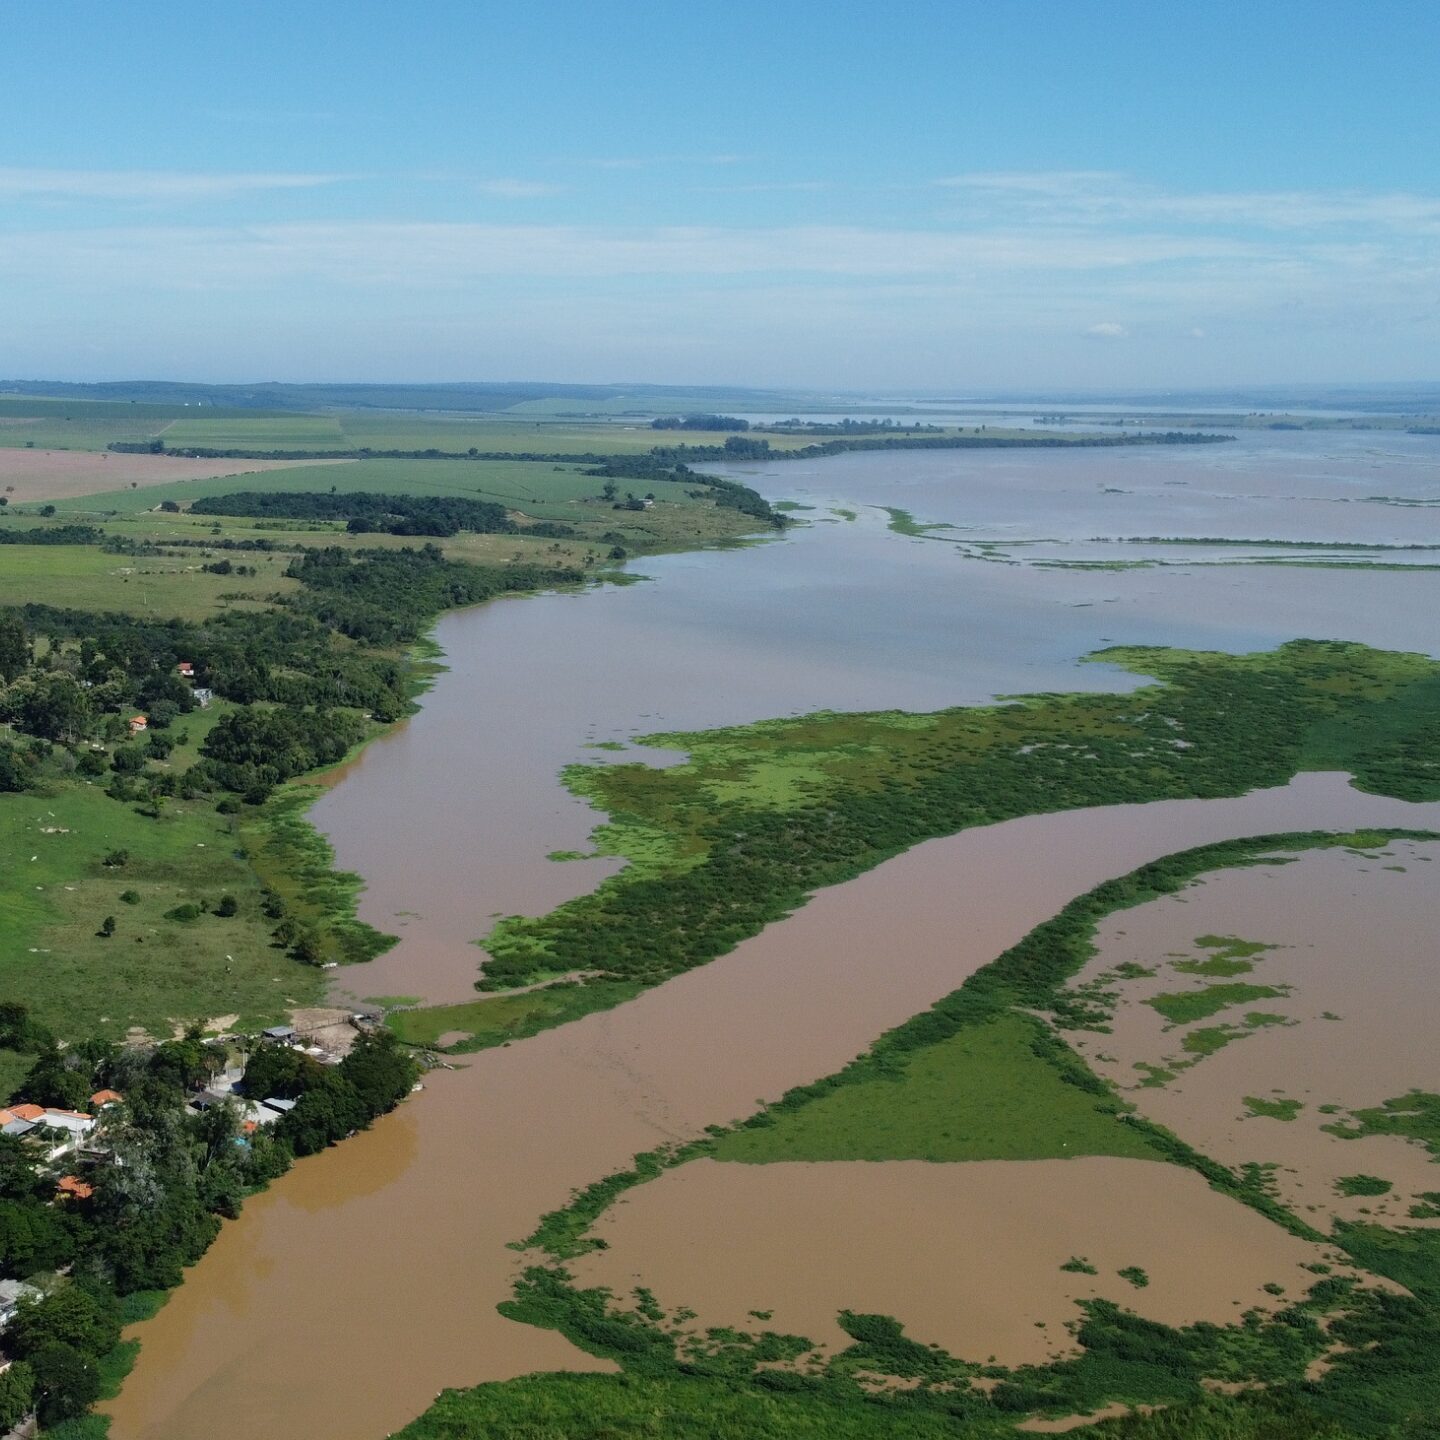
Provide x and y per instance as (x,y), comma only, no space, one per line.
(1107,330)
(147,185)
(517,189)
(1100,197)
(431,254)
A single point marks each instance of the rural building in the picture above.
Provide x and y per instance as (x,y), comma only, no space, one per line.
(22,1119)
(203,697)
(72,1187)
(101,1098)
(12,1292)
(285,1034)
(138,723)
(186,669)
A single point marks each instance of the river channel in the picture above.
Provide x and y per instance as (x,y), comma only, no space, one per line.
(367,1279)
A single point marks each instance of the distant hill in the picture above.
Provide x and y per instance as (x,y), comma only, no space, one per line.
(464,397)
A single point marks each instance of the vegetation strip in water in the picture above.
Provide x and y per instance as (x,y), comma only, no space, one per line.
(882,1106)
(761,815)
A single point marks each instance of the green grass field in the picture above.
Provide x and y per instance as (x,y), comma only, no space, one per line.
(983,1094)
(272,432)
(537,487)
(55,890)
(87,578)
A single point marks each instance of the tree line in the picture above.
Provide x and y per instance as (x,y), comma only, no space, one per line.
(364,512)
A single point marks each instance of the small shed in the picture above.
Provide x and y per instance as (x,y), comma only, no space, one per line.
(203,697)
(285,1034)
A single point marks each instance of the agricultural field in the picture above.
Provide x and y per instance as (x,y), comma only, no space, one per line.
(39,476)
(270,432)
(41,424)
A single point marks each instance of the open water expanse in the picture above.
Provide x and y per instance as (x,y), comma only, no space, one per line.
(367,1279)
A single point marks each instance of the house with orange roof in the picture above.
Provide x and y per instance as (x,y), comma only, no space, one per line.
(101,1098)
(138,723)
(72,1187)
(186,669)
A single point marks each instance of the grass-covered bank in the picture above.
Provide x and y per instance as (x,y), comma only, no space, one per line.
(759,816)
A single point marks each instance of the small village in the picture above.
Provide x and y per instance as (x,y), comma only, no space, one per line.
(229,1101)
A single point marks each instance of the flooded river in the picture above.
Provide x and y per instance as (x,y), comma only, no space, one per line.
(449,819)
(367,1279)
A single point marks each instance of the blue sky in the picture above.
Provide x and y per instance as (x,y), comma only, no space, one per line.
(922,195)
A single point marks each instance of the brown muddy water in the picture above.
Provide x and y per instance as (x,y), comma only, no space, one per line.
(362,1283)
(450,817)
(966,1256)
(1354,939)
(367,1279)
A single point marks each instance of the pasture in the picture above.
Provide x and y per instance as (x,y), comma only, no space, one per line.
(55,890)
(84,577)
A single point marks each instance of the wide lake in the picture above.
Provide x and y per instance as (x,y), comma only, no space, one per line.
(367,1279)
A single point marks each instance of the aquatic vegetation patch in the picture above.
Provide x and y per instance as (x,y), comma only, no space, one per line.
(1414,1116)
(1184,1007)
(1352,1185)
(1281,1109)
(1231,956)
(983,1026)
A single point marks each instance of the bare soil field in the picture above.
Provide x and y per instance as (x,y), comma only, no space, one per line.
(40,475)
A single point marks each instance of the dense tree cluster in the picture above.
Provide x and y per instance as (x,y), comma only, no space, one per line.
(254,749)
(72,679)
(52,535)
(716,423)
(439,515)
(387,597)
